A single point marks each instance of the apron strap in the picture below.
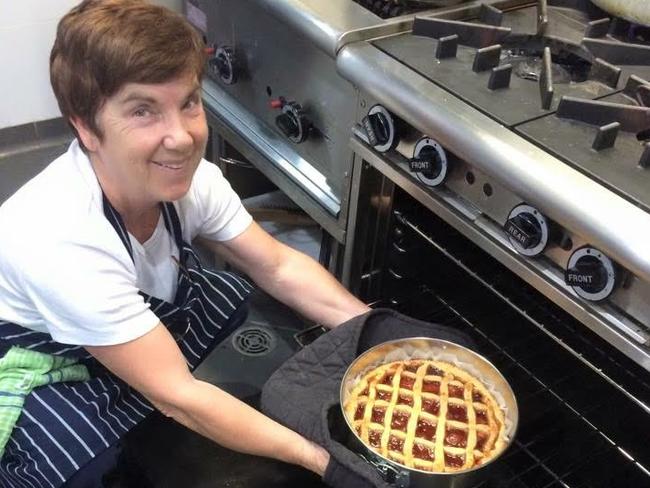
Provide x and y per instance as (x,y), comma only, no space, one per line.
(116,221)
(170,216)
(173,224)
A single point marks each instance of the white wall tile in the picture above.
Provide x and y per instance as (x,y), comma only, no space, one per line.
(25,93)
(27,30)
(15,13)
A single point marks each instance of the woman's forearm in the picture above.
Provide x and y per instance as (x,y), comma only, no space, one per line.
(304,285)
(219,416)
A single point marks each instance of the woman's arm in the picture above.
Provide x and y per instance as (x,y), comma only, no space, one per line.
(290,276)
(154,365)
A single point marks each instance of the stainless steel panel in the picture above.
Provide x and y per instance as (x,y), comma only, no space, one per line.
(274,166)
(603,319)
(613,225)
(278,61)
(271,146)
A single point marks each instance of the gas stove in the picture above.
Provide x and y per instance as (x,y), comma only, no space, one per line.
(565,77)
(527,126)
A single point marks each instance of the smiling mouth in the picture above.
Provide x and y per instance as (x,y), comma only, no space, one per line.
(172,166)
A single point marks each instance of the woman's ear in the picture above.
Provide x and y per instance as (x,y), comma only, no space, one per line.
(89,139)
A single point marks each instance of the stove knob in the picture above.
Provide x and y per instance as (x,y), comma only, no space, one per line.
(380,128)
(591,274)
(429,162)
(527,230)
(293,122)
(224,64)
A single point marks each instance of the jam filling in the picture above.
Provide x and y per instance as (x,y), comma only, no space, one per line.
(400,419)
(456,391)
(456,438)
(366,392)
(384,395)
(481,417)
(423,452)
(456,412)
(431,386)
(454,461)
(477,397)
(434,371)
(374,438)
(405,400)
(412,367)
(359,412)
(378,415)
(395,443)
(406,382)
(431,405)
(388,379)
(425,430)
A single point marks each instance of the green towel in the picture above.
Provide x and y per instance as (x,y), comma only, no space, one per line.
(21,371)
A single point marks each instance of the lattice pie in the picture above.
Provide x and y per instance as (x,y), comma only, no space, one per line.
(429,415)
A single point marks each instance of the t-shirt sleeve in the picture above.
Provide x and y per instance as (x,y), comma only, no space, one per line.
(86,294)
(219,215)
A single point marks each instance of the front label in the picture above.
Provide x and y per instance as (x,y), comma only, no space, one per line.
(587,280)
(420,165)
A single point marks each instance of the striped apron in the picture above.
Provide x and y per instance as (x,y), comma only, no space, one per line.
(63,426)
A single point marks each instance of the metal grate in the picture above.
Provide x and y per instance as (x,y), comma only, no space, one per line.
(583,408)
(254,341)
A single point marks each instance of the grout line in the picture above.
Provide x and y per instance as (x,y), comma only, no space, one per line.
(20,149)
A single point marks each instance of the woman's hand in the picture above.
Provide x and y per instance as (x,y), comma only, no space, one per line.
(315,458)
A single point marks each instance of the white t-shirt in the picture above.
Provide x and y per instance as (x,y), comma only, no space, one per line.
(64,270)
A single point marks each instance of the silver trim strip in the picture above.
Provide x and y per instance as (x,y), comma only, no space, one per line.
(609,222)
(271,146)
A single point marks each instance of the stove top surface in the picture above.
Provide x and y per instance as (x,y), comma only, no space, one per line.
(562,75)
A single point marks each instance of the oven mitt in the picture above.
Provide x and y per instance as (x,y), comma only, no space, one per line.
(303,393)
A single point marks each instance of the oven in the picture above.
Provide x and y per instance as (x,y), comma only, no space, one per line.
(578,396)
(478,164)
(486,198)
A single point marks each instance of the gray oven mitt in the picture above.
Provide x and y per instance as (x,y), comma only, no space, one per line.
(303,393)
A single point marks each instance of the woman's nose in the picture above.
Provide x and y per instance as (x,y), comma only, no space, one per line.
(177,134)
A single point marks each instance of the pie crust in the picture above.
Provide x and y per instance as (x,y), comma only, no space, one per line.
(428,415)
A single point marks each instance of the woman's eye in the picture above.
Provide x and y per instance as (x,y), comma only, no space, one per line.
(191,103)
(141,112)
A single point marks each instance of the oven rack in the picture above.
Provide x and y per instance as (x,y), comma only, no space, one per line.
(578,427)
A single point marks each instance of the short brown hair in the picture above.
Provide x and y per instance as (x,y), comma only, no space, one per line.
(103,44)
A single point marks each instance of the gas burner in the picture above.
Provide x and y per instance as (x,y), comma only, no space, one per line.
(387,9)
(527,61)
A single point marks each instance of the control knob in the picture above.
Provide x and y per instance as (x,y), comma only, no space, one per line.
(527,230)
(380,128)
(292,122)
(224,64)
(591,274)
(429,162)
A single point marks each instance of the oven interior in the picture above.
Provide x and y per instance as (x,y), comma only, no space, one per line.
(584,407)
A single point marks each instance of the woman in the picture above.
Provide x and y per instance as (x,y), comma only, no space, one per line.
(99,283)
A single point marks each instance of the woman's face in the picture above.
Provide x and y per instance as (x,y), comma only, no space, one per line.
(153,137)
